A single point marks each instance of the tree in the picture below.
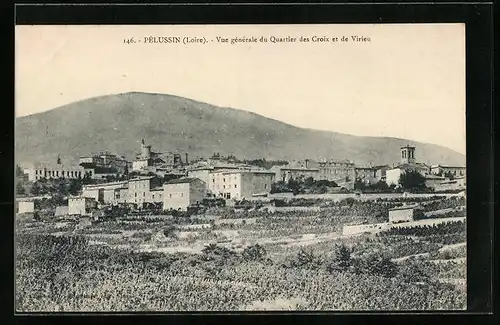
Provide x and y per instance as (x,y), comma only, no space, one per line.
(309,181)
(342,259)
(254,253)
(449,175)
(378,264)
(293,185)
(412,180)
(359,184)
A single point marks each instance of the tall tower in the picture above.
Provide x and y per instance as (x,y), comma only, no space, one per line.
(407,154)
(145,150)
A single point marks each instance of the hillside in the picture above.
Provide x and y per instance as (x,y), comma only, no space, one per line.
(169,123)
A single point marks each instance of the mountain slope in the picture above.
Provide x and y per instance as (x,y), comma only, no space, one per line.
(117,123)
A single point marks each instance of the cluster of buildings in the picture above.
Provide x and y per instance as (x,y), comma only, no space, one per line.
(439,177)
(191,182)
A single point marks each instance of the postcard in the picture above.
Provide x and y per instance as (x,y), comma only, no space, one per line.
(169,168)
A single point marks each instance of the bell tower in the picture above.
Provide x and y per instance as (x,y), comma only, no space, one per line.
(407,155)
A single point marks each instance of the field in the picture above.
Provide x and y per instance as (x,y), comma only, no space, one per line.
(249,260)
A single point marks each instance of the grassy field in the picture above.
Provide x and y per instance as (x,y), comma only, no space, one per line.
(282,261)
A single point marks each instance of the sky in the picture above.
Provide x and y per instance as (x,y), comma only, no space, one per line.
(407,81)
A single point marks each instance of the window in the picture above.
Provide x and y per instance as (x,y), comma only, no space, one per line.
(143,194)
(265,185)
(224,180)
(224,186)
(135,194)
(182,194)
(234,185)
(170,195)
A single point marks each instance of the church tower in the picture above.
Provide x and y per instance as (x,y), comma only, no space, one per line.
(407,155)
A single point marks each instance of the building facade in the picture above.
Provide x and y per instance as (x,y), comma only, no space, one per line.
(402,214)
(81,206)
(25,205)
(139,190)
(179,194)
(371,174)
(103,165)
(240,184)
(53,171)
(110,193)
(337,170)
(286,173)
(443,170)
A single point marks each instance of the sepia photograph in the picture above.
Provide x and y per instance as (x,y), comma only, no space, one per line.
(230,168)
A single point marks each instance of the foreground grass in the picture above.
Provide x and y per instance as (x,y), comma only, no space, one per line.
(67,274)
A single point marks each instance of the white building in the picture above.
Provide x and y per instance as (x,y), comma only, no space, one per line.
(139,190)
(179,194)
(25,205)
(112,193)
(53,171)
(239,184)
(81,206)
(443,170)
(404,213)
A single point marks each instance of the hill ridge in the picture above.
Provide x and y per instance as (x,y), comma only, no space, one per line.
(117,122)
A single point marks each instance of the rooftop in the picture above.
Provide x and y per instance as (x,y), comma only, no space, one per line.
(182,180)
(447,166)
(297,168)
(123,183)
(140,178)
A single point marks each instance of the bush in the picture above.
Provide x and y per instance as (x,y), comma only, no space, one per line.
(376,264)
(341,260)
(254,253)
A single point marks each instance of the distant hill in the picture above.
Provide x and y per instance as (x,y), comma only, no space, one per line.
(117,123)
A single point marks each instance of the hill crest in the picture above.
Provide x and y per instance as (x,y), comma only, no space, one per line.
(118,122)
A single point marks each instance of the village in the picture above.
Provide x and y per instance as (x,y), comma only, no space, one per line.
(238,227)
(162,182)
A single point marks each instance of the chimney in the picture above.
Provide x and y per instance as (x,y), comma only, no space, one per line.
(187,158)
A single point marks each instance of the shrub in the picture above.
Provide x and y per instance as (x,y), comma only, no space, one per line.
(341,260)
(254,253)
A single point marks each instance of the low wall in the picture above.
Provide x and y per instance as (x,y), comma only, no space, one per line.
(362,197)
(427,222)
(272,209)
(371,228)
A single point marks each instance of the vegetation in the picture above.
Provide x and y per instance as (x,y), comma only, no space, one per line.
(68,274)
(412,181)
(293,256)
(309,185)
(379,187)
